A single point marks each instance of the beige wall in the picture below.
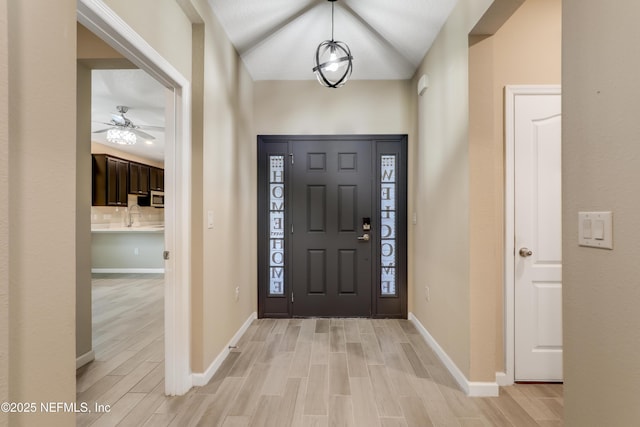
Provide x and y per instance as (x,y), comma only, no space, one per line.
(91,46)
(163,25)
(4,210)
(525,50)
(197,210)
(441,176)
(226,180)
(601,171)
(42,158)
(306,107)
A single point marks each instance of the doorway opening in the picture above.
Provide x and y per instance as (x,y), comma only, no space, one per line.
(101,21)
(332,230)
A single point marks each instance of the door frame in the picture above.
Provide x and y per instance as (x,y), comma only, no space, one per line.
(108,26)
(511,92)
(280,306)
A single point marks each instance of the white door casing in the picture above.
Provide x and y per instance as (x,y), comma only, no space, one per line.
(534,282)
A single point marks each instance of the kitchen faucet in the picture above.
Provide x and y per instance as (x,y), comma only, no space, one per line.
(131,213)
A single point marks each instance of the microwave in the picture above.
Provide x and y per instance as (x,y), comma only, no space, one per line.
(156,199)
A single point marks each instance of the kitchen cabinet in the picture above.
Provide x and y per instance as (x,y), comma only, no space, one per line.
(156,179)
(139,179)
(114,179)
(110,181)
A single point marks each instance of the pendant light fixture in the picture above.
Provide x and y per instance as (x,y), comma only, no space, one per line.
(333,61)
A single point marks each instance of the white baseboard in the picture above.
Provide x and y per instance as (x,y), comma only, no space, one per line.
(471,388)
(483,389)
(503,379)
(128,270)
(202,379)
(83,359)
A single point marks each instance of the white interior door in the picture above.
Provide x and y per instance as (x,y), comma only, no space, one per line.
(538,237)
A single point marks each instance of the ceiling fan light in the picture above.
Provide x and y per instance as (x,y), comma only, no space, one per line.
(121,136)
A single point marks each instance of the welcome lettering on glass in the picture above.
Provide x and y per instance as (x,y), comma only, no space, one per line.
(276,225)
(388,225)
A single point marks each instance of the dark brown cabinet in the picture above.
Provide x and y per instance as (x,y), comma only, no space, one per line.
(110,181)
(156,179)
(114,179)
(138,179)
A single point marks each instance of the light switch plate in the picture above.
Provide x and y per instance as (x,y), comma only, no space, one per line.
(595,229)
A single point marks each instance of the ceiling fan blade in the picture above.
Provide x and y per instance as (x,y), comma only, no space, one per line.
(141,134)
(101,130)
(149,127)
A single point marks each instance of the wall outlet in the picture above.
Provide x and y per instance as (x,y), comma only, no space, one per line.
(427,294)
(136,251)
(237,293)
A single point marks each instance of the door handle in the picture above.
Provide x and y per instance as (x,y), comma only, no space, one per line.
(364,238)
(525,252)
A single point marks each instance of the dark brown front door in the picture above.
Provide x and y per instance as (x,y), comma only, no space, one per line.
(330,249)
(332,233)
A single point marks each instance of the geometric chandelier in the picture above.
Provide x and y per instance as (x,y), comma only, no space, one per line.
(333,62)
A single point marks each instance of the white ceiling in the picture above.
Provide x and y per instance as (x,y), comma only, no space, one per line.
(277,39)
(142,94)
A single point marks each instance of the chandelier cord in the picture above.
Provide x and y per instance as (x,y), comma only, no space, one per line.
(332,3)
(333,57)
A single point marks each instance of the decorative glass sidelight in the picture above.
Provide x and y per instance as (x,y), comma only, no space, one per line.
(276,225)
(388,225)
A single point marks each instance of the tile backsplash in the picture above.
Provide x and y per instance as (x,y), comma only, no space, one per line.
(119,216)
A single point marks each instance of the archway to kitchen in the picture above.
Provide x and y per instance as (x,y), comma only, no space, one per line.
(134,51)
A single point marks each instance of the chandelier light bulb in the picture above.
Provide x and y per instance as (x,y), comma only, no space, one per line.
(333,62)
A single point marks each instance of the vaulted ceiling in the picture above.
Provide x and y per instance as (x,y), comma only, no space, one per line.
(277,39)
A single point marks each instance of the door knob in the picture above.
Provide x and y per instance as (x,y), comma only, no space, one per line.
(525,252)
(364,238)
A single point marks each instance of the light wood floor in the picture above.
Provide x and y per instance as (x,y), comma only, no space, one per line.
(297,372)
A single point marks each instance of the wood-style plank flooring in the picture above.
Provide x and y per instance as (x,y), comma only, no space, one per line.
(296,372)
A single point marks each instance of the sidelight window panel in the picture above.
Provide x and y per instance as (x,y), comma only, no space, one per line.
(276,225)
(388,225)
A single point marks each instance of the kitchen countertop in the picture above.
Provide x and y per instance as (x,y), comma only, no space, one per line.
(135,229)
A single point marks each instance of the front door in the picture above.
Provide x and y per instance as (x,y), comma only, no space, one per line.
(332,229)
(331,250)
(538,237)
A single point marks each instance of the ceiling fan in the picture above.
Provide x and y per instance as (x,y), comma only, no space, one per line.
(122,130)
